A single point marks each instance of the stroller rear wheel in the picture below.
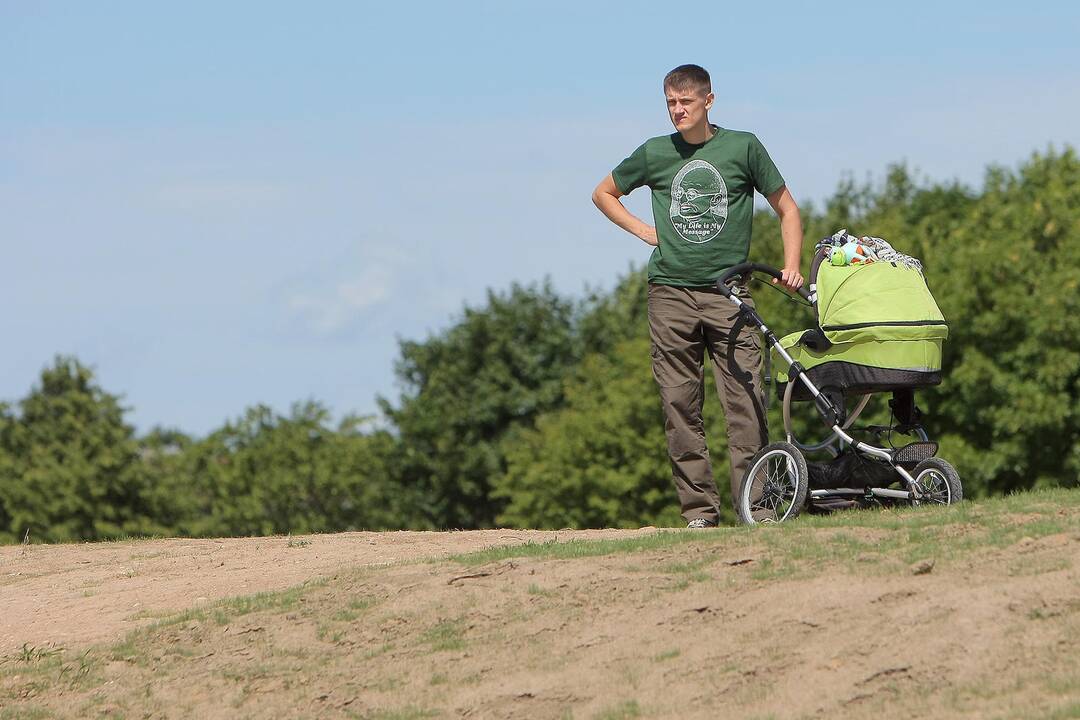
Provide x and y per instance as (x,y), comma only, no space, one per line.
(775,487)
(938,483)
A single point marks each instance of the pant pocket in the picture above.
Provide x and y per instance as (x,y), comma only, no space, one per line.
(667,372)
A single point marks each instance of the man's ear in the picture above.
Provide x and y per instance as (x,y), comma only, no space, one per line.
(709,101)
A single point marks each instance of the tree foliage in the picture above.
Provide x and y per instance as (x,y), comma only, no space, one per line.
(267,474)
(1010,288)
(495,370)
(70,466)
(600,460)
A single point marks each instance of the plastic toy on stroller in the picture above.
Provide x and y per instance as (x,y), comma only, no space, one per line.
(878,330)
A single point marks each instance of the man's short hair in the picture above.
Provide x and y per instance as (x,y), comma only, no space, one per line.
(689,77)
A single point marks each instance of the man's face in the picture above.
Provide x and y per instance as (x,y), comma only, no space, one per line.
(688,107)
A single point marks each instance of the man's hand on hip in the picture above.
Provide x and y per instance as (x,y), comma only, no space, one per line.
(606,198)
(648,234)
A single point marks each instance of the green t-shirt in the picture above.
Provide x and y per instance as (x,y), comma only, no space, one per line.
(702,199)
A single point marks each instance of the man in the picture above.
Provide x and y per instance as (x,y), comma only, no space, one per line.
(703,179)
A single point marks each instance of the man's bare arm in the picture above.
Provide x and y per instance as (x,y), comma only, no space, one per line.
(606,198)
(791,233)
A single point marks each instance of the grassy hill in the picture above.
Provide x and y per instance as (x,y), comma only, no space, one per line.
(968,611)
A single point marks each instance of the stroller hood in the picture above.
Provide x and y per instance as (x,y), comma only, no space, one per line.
(881,301)
(883,327)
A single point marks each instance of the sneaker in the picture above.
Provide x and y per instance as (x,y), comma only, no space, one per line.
(700,523)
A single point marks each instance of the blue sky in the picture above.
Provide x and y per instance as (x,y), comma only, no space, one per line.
(221,204)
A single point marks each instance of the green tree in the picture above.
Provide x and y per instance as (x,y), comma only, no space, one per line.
(466,387)
(598,462)
(169,494)
(71,468)
(604,320)
(268,473)
(1008,281)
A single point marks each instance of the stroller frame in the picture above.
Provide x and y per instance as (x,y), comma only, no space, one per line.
(915,455)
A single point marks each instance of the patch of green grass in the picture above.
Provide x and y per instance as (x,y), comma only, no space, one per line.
(245,672)
(1065,684)
(473,678)
(732,667)
(41,668)
(1043,692)
(1038,566)
(769,569)
(330,633)
(871,541)
(127,650)
(231,608)
(31,654)
(677,586)
(381,650)
(151,614)
(136,647)
(1065,712)
(295,653)
(692,567)
(388,684)
(623,711)
(192,615)
(878,541)
(446,635)
(667,655)
(406,713)
(690,572)
(354,609)
(593,548)
(52,670)
(535,589)
(25,713)
(1044,613)
(911,534)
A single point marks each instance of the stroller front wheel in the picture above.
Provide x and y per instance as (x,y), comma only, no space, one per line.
(937,482)
(775,486)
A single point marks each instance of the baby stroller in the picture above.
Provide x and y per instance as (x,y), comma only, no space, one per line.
(878,330)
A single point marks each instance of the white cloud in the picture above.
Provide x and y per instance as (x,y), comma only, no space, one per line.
(329,310)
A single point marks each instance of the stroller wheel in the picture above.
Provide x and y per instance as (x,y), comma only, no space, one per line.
(775,487)
(938,482)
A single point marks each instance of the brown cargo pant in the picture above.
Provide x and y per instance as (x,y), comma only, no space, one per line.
(683,323)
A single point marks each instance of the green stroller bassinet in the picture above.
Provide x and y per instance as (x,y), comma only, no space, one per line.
(879,329)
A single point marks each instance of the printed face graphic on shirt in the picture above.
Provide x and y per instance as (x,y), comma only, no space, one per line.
(699,202)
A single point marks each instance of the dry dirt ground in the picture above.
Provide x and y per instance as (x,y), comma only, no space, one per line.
(976,617)
(83,593)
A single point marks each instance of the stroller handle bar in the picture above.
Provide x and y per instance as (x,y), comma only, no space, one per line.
(748,267)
